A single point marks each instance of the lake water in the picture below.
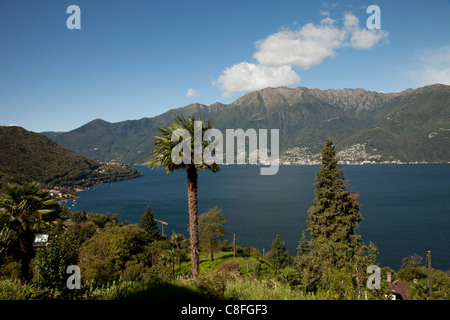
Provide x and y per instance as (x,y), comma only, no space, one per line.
(406,208)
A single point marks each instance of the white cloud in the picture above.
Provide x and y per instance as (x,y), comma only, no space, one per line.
(327,20)
(434,75)
(362,39)
(311,44)
(365,39)
(303,48)
(350,21)
(192,93)
(246,77)
(434,67)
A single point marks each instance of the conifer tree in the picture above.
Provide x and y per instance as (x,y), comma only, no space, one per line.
(302,252)
(303,246)
(148,223)
(332,220)
(335,211)
(278,257)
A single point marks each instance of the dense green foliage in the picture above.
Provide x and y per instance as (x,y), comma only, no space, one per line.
(25,211)
(103,257)
(28,156)
(53,259)
(140,268)
(121,261)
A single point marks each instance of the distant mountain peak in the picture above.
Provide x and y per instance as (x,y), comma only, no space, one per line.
(98,121)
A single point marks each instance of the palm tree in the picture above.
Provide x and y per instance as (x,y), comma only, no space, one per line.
(22,210)
(162,157)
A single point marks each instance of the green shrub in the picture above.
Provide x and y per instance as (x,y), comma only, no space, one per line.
(213,283)
(242,288)
(11,270)
(229,267)
(14,290)
(133,271)
(141,290)
(104,256)
(52,260)
(117,290)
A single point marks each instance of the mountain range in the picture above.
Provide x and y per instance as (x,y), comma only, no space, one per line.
(407,126)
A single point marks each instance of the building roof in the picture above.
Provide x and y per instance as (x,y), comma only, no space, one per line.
(399,289)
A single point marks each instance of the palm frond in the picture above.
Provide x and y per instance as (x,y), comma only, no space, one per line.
(25,204)
(163,145)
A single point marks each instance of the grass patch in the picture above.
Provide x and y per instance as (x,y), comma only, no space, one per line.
(244,288)
(159,290)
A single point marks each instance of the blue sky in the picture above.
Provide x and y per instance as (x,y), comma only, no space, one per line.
(135,59)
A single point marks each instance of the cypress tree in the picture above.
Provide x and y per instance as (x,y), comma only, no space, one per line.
(332,220)
(148,223)
(335,211)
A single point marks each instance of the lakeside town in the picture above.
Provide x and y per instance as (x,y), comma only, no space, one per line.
(355,154)
(63,193)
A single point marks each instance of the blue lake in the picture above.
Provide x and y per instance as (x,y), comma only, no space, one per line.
(406,208)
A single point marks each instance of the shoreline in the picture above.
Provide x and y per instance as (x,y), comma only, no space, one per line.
(319,163)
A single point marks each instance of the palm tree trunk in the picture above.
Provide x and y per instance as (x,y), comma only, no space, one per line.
(193,222)
(179,258)
(26,252)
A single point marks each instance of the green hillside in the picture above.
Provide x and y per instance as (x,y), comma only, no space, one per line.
(417,130)
(27,156)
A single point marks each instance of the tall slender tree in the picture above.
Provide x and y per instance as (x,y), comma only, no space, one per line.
(148,223)
(335,211)
(24,210)
(332,221)
(165,150)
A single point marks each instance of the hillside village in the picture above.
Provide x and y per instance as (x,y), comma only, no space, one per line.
(355,154)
